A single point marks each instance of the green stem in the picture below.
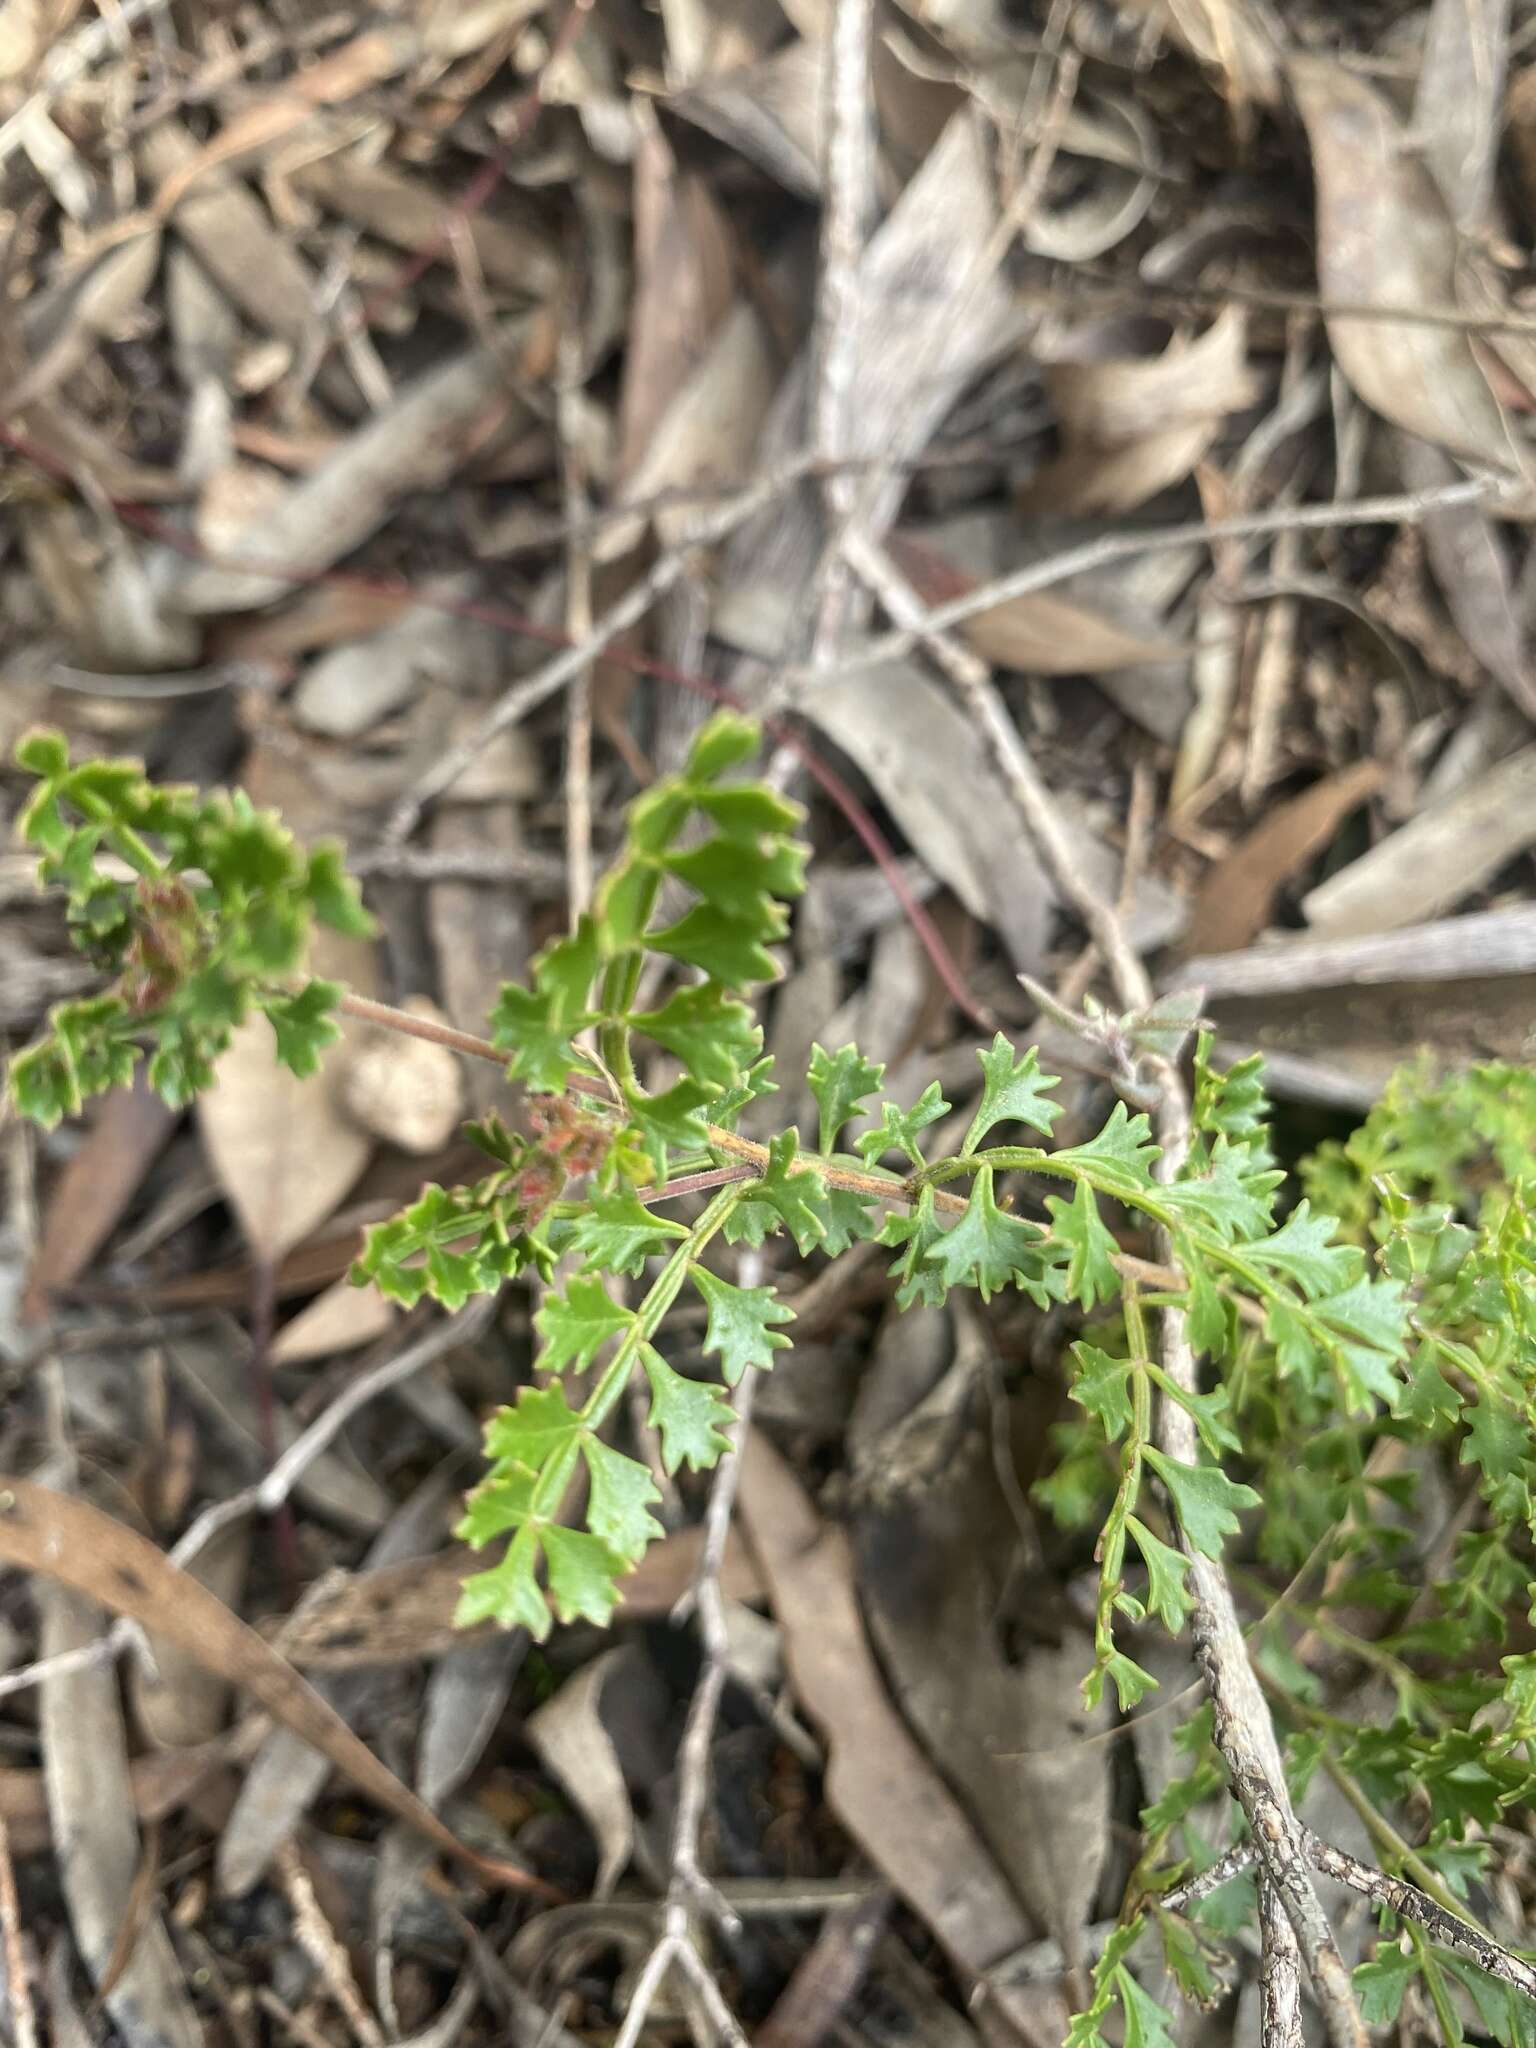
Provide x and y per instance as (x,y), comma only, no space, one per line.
(662,1293)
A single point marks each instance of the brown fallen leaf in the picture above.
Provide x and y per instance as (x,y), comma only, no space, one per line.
(341,1319)
(879,1782)
(283,1148)
(96,1837)
(78,1546)
(1386,238)
(1236,900)
(1039,633)
(131,1129)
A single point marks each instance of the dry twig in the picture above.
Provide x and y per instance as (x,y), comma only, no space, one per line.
(689,1889)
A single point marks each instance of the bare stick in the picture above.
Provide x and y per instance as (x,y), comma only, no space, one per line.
(688,1888)
(578,624)
(17,1976)
(1407,506)
(525,696)
(1243,1731)
(1409,1903)
(1279,1974)
(1232,1864)
(494,866)
(845,215)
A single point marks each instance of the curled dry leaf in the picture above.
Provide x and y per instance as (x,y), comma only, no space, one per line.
(407,1091)
(1386,238)
(1131,426)
(75,1544)
(570,1737)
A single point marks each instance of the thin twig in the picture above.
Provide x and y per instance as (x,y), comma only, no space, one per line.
(525,696)
(1406,506)
(494,866)
(18,1978)
(578,623)
(319,1941)
(688,1889)
(1409,1903)
(1232,1863)
(847,207)
(1243,1731)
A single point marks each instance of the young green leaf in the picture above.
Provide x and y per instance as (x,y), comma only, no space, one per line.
(730,950)
(989,1249)
(1120,1158)
(1101,1384)
(1206,1500)
(576,1325)
(710,1032)
(740,1329)
(1167,1596)
(622,1491)
(840,1081)
(583,1574)
(1303,1249)
(1147,2024)
(616,1233)
(509,1592)
(689,1415)
(899,1127)
(304,1024)
(1092,1274)
(919,1232)
(534,1430)
(1013,1091)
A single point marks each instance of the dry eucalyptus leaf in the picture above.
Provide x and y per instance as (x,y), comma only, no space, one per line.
(1039,633)
(413,445)
(341,1319)
(1459,106)
(283,1149)
(1237,898)
(1436,860)
(1131,426)
(569,1735)
(1385,237)
(91,1810)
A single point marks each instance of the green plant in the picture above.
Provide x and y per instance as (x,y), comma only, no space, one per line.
(1366,1335)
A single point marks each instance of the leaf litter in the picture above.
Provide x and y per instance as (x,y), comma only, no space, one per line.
(341,355)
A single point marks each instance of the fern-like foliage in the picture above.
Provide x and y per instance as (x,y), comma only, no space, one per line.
(1363,1336)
